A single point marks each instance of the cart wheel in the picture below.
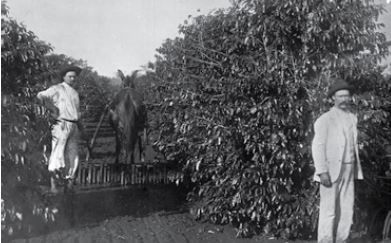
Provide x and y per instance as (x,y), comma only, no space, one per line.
(376,223)
(387,226)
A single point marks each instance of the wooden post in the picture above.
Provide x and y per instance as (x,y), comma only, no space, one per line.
(140,173)
(106,180)
(138,177)
(132,173)
(89,181)
(92,174)
(128,175)
(95,174)
(78,180)
(101,173)
(108,174)
(122,175)
(143,174)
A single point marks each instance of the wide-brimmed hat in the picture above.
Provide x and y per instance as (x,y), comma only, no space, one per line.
(75,69)
(339,84)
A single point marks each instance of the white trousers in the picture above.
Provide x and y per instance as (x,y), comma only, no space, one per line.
(65,148)
(336,208)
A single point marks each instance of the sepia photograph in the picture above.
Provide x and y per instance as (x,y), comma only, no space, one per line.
(202,121)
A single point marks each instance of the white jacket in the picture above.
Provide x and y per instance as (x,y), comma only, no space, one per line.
(329,144)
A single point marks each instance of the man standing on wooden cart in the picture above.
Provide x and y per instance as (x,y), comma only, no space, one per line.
(63,102)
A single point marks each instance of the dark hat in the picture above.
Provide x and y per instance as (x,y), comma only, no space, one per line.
(338,84)
(75,69)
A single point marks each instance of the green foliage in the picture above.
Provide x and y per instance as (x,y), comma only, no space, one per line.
(240,92)
(27,67)
(25,139)
(21,56)
(24,127)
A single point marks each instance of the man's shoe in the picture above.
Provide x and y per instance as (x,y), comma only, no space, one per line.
(69,185)
(54,190)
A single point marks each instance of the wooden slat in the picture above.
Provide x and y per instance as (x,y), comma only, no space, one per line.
(92,175)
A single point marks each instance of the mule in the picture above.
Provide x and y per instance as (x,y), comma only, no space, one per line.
(128,117)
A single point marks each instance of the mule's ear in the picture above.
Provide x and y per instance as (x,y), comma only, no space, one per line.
(120,74)
(134,74)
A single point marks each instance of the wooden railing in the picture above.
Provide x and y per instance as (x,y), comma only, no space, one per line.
(98,175)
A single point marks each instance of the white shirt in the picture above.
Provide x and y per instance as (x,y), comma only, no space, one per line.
(65,98)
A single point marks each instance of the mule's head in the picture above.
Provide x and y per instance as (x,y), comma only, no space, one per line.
(128,81)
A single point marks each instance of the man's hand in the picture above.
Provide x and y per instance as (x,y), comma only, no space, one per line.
(82,132)
(54,112)
(48,104)
(325,179)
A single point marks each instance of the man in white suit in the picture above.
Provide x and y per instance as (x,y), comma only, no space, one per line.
(337,164)
(63,100)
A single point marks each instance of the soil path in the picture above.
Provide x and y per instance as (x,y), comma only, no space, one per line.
(160,227)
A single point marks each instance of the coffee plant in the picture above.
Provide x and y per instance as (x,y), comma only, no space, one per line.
(240,91)
(24,127)
(28,66)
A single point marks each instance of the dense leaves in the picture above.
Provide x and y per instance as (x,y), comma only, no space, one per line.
(233,100)
(24,127)
(28,67)
(242,88)
(21,55)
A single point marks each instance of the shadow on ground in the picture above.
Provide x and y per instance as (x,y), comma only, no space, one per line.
(91,208)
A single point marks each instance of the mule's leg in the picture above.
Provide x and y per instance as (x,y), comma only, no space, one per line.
(145,134)
(117,146)
(136,150)
(141,149)
(131,157)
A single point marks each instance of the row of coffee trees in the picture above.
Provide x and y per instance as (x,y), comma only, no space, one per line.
(233,101)
(28,65)
(239,92)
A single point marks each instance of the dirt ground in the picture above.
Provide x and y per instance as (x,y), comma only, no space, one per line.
(159,227)
(140,215)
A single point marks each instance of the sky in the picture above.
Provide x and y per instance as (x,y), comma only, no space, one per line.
(115,34)
(109,35)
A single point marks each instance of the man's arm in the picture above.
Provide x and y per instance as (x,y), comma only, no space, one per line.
(47,102)
(319,151)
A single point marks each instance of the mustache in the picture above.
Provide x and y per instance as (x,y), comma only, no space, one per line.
(346,103)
